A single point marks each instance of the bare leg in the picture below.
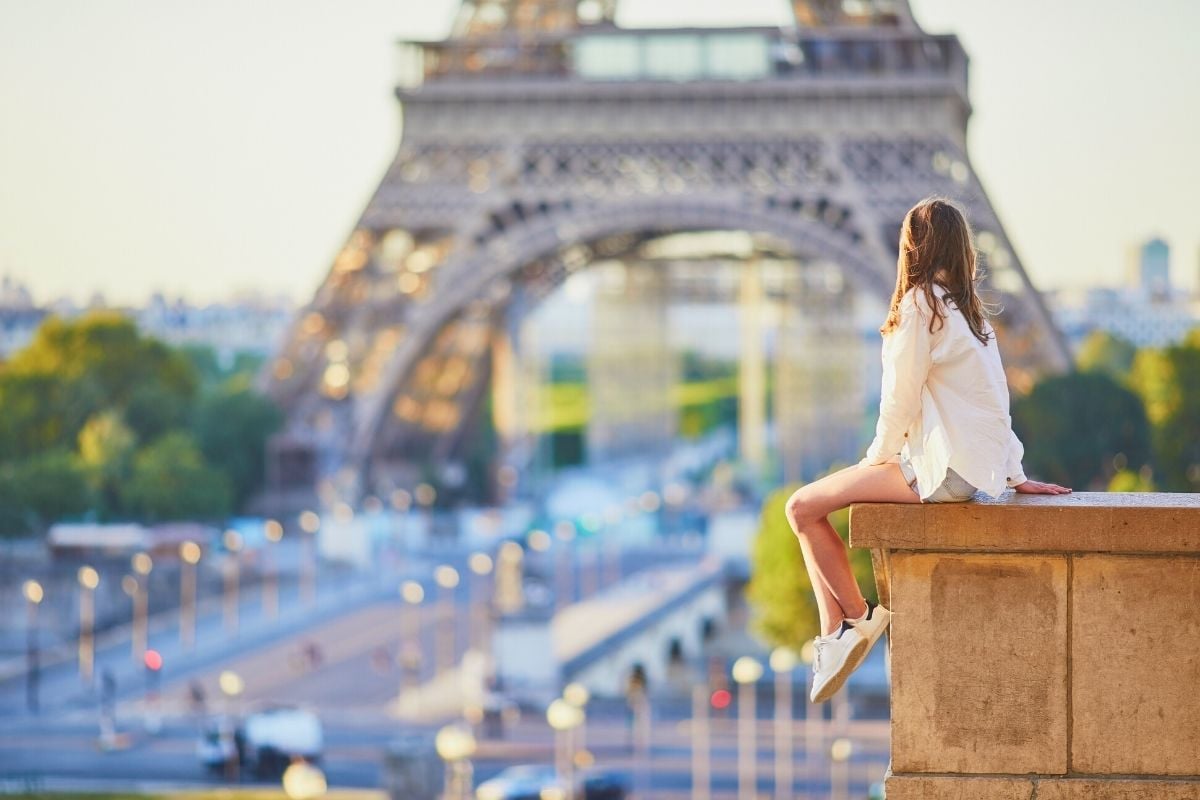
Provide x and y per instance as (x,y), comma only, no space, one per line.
(825,554)
(827,604)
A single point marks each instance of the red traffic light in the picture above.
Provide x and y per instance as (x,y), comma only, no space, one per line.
(721,698)
(153,660)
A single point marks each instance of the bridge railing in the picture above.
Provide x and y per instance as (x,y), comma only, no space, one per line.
(1043,646)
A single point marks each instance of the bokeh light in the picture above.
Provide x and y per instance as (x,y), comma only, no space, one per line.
(88,577)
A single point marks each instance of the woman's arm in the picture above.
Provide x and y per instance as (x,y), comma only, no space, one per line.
(907,358)
(1016,451)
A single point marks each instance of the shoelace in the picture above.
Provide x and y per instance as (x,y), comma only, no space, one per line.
(818,643)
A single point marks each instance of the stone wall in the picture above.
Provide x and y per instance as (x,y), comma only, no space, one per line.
(1042,646)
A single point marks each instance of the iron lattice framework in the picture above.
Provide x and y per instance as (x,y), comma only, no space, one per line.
(538,139)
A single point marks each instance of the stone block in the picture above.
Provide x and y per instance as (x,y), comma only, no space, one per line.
(1135,624)
(920,787)
(1085,789)
(979,663)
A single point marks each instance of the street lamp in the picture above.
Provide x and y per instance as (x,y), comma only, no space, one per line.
(812,732)
(189,555)
(273,531)
(746,672)
(446,577)
(564,530)
(578,695)
(839,778)
(455,745)
(231,683)
(783,660)
(310,523)
(509,589)
(232,686)
(478,634)
(89,579)
(701,775)
(562,574)
(142,564)
(233,544)
(412,593)
(303,781)
(539,540)
(564,717)
(33,598)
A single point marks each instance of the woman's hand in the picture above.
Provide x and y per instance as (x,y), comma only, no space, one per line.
(1037,487)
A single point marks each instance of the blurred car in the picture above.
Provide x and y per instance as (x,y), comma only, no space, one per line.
(263,742)
(604,784)
(520,782)
(217,748)
(541,781)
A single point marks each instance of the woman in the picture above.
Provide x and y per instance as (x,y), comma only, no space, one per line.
(944,428)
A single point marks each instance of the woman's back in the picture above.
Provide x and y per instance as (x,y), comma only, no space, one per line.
(964,422)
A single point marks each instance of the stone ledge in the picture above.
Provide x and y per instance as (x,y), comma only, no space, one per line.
(1041,646)
(965,787)
(1080,522)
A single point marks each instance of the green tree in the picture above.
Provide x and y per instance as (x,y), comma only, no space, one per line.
(232,425)
(1126,480)
(203,359)
(31,413)
(153,409)
(1073,426)
(1168,380)
(170,480)
(785,609)
(41,489)
(1106,352)
(106,446)
(76,368)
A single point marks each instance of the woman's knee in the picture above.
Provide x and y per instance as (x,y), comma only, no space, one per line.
(800,508)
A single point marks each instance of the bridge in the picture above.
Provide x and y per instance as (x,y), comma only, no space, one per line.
(652,621)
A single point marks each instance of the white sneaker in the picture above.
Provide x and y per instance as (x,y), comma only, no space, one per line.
(834,657)
(877,621)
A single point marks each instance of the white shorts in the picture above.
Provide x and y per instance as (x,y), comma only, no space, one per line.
(954,489)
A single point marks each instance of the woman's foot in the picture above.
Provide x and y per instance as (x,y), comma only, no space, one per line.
(873,625)
(835,656)
(838,654)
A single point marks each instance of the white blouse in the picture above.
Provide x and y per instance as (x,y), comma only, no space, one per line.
(945,401)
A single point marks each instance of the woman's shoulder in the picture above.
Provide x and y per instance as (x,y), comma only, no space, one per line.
(916,299)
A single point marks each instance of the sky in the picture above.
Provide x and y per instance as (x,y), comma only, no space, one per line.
(209,148)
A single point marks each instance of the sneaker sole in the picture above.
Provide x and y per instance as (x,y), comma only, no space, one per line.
(871,642)
(853,659)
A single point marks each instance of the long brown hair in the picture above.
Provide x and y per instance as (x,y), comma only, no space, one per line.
(936,245)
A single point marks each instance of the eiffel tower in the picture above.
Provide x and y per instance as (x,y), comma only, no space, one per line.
(540,137)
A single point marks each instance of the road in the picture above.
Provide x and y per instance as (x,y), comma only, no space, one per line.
(359,628)
(354,755)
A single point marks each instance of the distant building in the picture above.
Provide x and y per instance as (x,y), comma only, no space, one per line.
(247,323)
(1153,268)
(1128,312)
(19,317)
